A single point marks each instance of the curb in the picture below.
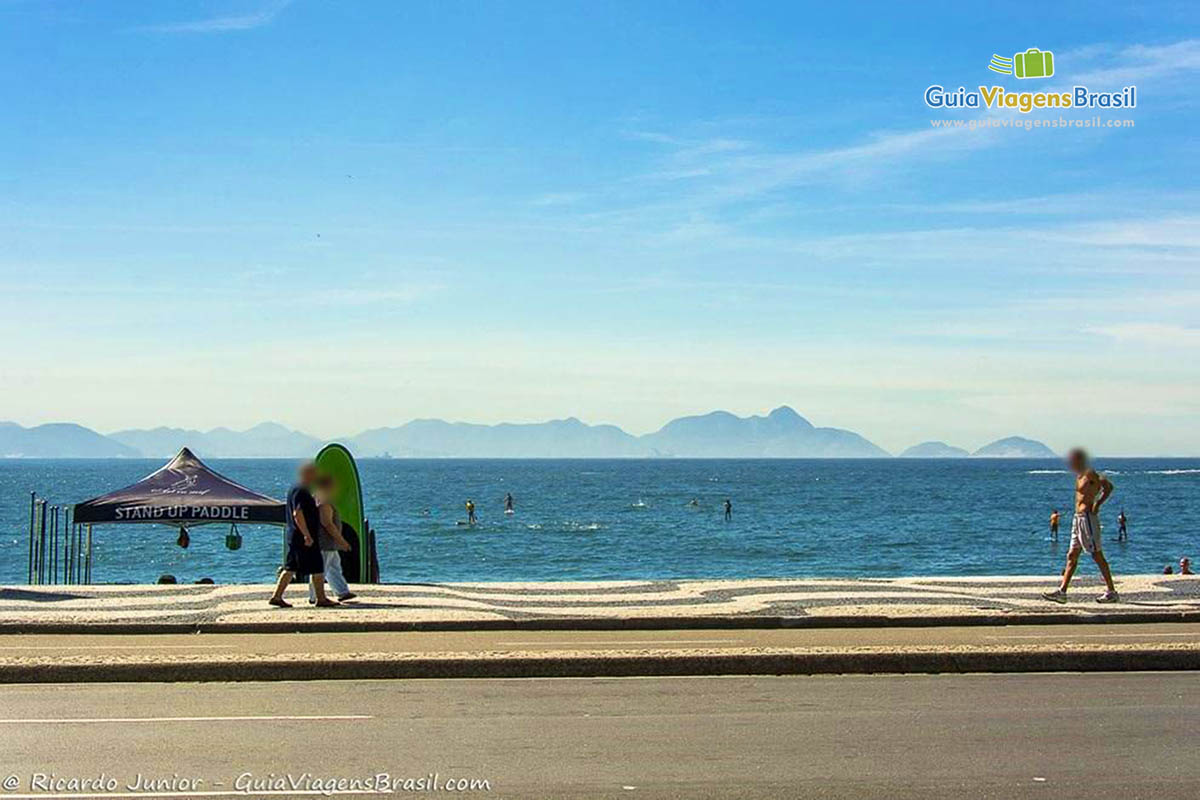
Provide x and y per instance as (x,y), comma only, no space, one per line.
(600,624)
(613,666)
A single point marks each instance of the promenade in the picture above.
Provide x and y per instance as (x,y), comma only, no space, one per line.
(609,604)
(145,633)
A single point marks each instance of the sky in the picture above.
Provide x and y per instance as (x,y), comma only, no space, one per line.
(342,215)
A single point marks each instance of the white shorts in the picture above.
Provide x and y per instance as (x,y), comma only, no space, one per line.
(1085,533)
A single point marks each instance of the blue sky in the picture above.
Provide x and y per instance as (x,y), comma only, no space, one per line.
(339,215)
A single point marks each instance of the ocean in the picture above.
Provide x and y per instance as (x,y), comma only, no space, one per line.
(633,519)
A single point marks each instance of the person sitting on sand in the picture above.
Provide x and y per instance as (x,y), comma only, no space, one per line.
(1091,490)
(1167,570)
(1185,566)
(303,554)
(331,541)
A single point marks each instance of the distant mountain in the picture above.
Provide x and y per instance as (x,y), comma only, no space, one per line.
(434,438)
(934,450)
(58,440)
(781,434)
(1014,447)
(267,439)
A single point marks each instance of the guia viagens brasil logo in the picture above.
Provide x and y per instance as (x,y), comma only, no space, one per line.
(1032,63)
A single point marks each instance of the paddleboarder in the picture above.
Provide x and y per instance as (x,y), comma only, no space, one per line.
(470,512)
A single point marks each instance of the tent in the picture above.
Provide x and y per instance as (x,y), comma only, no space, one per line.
(184,493)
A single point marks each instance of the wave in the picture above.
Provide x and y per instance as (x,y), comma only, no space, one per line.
(1047,472)
(1173,471)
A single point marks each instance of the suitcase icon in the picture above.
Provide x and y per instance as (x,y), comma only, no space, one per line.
(1033,63)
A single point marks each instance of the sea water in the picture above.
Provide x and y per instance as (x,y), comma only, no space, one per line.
(634,519)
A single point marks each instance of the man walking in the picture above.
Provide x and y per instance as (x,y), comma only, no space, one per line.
(303,555)
(1091,490)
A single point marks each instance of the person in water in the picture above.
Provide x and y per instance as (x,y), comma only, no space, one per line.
(303,553)
(1185,566)
(508,503)
(1054,525)
(470,512)
(1091,490)
(1122,533)
(331,541)
(728,510)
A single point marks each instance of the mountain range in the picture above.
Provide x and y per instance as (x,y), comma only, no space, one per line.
(781,434)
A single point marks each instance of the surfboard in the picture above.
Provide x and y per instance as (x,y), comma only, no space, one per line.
(335,460)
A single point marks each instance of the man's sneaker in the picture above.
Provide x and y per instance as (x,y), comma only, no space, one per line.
(1109,597)
(1057,596)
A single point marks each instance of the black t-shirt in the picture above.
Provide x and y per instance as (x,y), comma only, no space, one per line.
(301,498)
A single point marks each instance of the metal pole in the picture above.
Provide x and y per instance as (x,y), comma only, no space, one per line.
(78,555)
(32,514)
(67,545)
(53,574)
(41,543)
(88,571)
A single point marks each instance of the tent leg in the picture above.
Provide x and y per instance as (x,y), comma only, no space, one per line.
(88,571)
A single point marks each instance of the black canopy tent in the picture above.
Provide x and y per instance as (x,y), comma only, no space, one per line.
(184,493)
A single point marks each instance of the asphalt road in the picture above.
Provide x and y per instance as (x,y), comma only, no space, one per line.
(1124,634)
(1127,735)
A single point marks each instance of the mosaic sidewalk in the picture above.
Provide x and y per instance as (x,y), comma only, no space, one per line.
(746,602)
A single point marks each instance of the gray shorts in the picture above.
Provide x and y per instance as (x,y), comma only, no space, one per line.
(1085,533)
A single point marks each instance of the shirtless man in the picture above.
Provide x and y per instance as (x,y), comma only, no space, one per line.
(1054,525)
(1091,490)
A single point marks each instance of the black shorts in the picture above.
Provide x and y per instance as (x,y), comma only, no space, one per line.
(304,560)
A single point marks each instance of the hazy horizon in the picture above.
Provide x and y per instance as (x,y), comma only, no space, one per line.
(341,217)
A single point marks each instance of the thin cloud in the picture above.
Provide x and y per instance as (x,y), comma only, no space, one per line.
(1141,62)
(225,24)
(1151,333)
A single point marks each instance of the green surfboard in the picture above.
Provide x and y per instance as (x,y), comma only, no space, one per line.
(336,461)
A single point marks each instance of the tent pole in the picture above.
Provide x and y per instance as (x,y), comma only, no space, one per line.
(88,573)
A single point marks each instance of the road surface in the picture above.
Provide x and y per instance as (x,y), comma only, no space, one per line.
(1057,736)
